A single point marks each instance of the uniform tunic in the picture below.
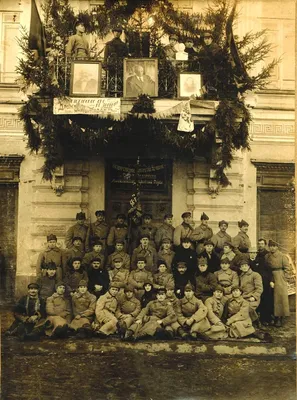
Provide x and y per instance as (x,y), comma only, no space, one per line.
(219,239)
(252,286)
(76,231)
(83,305)
(147,229)
(69,254)
(47,286)
(227,279)
(51,255)
(128,310)
(73,278)
(200,235)
(167,256)
(77,46)
(280,267)
(154,311)
(87,259)
(241,243)
(125,256)
(162,279)
(117,232)
(195,309)
(150,255)
(58,309)
(98,230)
(215,310)
(236,316)
(137,279)
(106,321)
(180,232)
(165,231)
(120,276)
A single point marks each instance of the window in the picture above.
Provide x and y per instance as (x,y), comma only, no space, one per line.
(9,49)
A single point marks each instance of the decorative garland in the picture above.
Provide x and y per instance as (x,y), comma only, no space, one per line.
(61,137)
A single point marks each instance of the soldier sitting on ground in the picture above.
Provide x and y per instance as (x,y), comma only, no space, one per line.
(98,276)
(128,309)
(83,308)
(215,307)
(47,282)
(58,309)
(29,315)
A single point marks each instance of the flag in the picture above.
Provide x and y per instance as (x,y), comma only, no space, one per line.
(37,33)
(236,62)
(185,123)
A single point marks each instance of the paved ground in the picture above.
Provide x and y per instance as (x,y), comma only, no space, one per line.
(107,370)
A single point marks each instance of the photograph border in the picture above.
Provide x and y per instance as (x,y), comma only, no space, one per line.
(73,63)
(179,91)
(143,60)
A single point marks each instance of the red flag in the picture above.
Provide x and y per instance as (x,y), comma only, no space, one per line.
(37,32)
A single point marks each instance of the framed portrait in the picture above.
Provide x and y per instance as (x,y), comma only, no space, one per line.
(189,84)
(140,77)
(85,80)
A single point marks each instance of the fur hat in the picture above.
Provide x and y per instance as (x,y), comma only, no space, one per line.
(76,238)
(80,216)
(168,216)
(50,265)
(207,242)
(100,212)
(223,222)
(51,237)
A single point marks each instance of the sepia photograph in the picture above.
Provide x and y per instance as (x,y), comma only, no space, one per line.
(148,204)
(140,77)
(85,80)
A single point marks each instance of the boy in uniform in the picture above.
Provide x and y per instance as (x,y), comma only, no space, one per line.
(241,241)
(119,274)
(140,276)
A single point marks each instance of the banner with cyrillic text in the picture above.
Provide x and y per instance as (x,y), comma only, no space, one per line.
(87,105)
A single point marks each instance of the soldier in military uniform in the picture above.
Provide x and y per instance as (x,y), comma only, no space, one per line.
(128,309)
(202,233)
(98,230)
(154,320)
(83,308)
(147,229)
(78,46)
(77,230)
(119,252)
(74,251)
(221,237)
(192,315)
(139,277)
(215,309)
(118,232)
(170,50)
(165,231)
(166,253)
(279,264)
(226,277)
(115,49)
(163,277)
(205,280)
(184,230)
(97,251)
(241,241)
(119,274)
(51,254)
(147,251)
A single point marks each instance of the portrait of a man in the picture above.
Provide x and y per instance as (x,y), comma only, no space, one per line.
(85,79)
(140,77)
(189,84)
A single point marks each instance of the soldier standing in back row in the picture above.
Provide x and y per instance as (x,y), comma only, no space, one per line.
(201,233)
(184,230)
(97,230)
(221,237)
(51,254)
(165,231)
(147,229)
(77,230)
(241,241)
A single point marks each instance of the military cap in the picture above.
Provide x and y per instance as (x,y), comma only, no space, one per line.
(121,216)
(80,216)
(96,259)
(166,240)
(225,260)
(207,242)
(33,285)
(51,237)
(188,287)
(75,259)
(173,36)
(186,214)
(120,241)
(60,283)
(168,216)
(162,262)
(181,264)
(76,238)
(242,223)
(223,222)
(170,286)
(129,288)
(118,258)
(82,283)
(117,29)
(188,39)
(228,244)
(161,290)
(218,288)
(96,241)
(204,217)
(50,265)
(272,243)
(207,34)
(244,261)
(185,240)
(236,287)
(144,235)
(147,215)
(100,212)
(115,285)
(202,261)
(140,258)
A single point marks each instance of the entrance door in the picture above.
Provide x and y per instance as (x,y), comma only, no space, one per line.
(155,179)
(8,212)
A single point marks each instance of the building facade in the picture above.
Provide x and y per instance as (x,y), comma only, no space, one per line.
(262,190)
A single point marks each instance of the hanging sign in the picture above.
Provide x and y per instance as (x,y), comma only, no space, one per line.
(186,123)
(88,105)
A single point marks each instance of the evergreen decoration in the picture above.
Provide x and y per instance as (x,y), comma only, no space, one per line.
(62,137)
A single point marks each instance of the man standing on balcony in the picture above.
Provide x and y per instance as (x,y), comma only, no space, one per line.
(115,49)
(78,46)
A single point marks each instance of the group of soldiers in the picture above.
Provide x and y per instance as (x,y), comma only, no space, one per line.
(167,282)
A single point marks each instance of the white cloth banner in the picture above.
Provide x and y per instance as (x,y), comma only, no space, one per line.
(88,105)
(185,123)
